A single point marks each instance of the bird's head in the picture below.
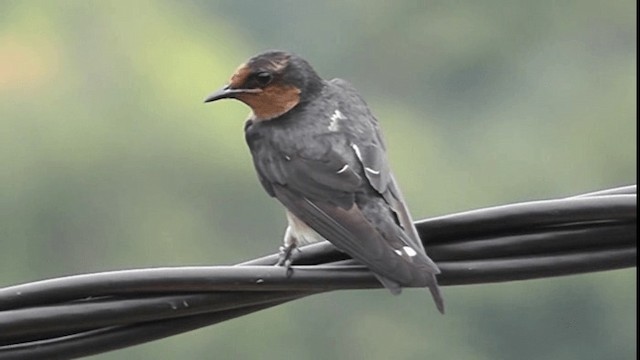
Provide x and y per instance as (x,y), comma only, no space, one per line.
(271,84)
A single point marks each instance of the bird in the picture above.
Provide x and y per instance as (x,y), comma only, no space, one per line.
(318,150)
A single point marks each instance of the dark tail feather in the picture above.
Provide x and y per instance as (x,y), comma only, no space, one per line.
(391,285)
(436,294)
(433,287)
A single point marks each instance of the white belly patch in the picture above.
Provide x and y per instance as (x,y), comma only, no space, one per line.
(301,233)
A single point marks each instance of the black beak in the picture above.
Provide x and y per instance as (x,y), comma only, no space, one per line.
(224,93)
(227,92)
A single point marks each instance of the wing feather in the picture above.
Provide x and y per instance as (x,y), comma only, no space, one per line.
(351,232)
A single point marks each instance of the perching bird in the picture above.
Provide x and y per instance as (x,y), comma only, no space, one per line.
(318,149)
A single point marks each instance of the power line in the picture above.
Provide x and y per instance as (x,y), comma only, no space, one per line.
(87,314)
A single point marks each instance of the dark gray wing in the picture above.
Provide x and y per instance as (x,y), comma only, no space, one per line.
(350,231)
(314,179)
(373,157)
(379,175)
(322,193)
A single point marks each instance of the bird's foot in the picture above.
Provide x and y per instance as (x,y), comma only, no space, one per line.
(285,258)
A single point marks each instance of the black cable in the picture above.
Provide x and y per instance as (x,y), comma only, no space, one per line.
(261,278)
(88,314)
(65,319)
(524,216)
(113,338)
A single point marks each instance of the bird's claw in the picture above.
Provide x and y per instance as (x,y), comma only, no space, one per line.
(285,258)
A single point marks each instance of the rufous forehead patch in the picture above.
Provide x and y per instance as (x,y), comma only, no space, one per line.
(240,76)
(275,64)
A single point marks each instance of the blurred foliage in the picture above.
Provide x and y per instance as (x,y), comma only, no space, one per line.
(110,160)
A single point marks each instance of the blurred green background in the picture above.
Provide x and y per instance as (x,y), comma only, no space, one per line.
(110,160)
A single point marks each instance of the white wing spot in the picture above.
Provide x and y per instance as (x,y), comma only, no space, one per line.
(357,150)
(344,168)
(375,172)
(398,252)
(337,115)
(409,251)
(287,157)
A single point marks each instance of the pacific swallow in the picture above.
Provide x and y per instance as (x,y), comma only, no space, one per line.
(318,149)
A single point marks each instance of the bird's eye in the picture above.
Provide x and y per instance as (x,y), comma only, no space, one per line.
(263,78)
